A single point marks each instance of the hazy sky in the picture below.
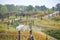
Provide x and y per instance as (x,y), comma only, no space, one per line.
(47,3)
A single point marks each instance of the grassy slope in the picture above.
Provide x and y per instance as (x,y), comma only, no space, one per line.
(47,23)
(42,23)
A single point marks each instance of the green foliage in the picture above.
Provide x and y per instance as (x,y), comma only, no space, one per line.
(53,33)
(0,8)
(3,9)
(58,7)
(56,19)
(50,11)
(2,30)
(16,24)
(53,8)
(0,15)
(11,8)
(41,8)
(30,8)
(37,8)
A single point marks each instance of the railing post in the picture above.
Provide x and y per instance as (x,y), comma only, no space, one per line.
(18,35)
(19,28)
(31,37)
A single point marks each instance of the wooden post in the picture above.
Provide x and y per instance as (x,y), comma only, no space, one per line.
(8,25)
(30,30)
(19,30)
(18,35)
(41,17)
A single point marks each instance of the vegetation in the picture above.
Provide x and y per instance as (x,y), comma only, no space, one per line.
(27,14)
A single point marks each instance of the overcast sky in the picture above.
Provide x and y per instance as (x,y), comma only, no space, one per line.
(47,3)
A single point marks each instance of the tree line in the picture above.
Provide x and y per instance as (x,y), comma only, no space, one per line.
(12,8)
(8,9)
(15,8)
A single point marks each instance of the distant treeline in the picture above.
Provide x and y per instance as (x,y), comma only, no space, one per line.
(11,9)
(15,8)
